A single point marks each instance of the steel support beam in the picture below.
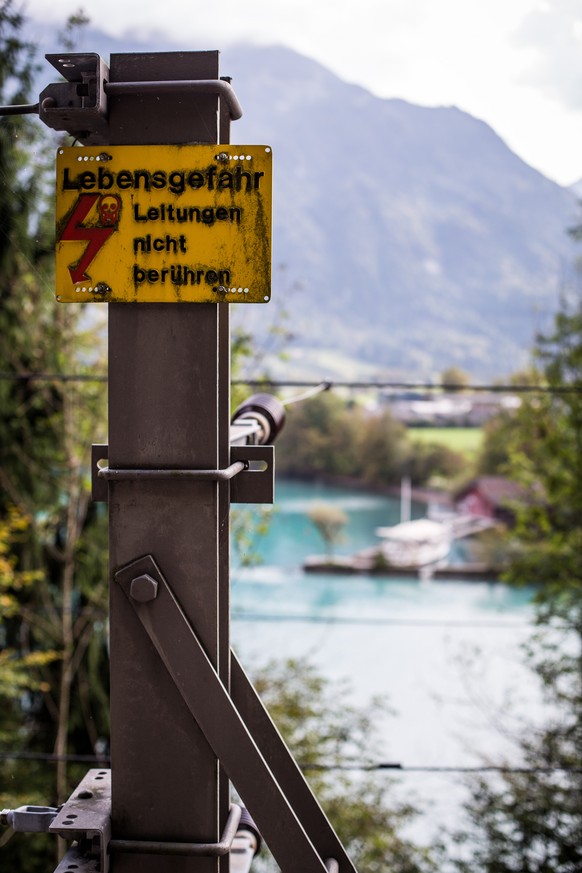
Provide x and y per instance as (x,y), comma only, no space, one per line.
(169,474)
(168,407)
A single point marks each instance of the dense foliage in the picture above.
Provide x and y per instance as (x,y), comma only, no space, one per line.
(53,696)
(325,737)
(532,820)
(326,436)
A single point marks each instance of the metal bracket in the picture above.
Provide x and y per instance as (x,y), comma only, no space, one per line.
(85,817)
(78,105)
(75,860)
(251,471)
(256,484)
(228,732)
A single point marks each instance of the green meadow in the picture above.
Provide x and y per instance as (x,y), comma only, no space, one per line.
(467,440)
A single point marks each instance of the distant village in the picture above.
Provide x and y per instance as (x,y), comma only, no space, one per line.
(454,409)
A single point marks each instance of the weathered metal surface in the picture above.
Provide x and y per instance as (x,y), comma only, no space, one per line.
(215,714)
(168,407)
(220,87)
(164,224)
(74,861)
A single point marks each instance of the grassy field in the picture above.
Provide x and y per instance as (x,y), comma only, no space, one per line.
(467,440)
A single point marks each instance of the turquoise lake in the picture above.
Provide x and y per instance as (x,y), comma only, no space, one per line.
(447,656)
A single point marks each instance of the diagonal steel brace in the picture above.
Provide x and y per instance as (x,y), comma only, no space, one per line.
(294,846)
(286,771)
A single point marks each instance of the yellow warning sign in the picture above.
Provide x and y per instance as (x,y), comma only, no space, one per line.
(164,224)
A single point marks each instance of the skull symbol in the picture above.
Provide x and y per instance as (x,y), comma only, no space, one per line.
(109,206)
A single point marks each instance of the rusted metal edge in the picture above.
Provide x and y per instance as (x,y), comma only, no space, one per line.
(86,815)
(159,847)
(75,859)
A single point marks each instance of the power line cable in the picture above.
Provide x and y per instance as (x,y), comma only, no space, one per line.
(425,386)
(51,377)
(355,766)
(322,385)
(20,109)
(51,758)
(404,768)
(305,395)
(398,622)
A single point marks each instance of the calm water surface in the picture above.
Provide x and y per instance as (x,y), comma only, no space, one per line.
(446,655)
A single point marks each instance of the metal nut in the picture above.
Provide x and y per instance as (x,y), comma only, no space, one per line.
(143,588)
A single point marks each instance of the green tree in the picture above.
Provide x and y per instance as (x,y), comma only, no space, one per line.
(327,436)
(329,521)
(532,821)
(53,626)
(455,377)
(324,738)
(18,668)
(320,438)
(383,450)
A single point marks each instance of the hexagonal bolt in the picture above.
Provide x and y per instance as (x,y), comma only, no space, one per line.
(143,588)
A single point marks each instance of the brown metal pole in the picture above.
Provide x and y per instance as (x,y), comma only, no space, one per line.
(168,407)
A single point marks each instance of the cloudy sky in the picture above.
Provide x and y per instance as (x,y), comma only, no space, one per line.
(517,64)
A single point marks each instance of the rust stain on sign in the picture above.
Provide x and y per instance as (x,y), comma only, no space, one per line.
(164,224)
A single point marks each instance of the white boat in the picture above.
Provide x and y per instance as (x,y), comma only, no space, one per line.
(415,543)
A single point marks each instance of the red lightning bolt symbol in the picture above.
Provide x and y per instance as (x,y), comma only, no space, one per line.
(74,230)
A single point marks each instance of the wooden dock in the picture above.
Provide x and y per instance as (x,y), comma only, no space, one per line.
(359,564)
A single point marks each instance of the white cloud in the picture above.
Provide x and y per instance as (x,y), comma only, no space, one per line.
(553,31)
(515,63)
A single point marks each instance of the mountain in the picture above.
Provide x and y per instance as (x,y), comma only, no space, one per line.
(420,238)
(406,239)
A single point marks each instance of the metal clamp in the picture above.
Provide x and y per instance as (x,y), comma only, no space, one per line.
(252,471)
(28,819)
(78,105)
(160,847)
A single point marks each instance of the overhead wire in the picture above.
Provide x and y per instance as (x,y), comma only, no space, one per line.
(104,760)
(402,622)
(317,387)
(20,109)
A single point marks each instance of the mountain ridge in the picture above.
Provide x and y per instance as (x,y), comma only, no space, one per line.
(419,238)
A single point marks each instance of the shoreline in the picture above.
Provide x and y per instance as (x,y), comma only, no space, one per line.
(420,494)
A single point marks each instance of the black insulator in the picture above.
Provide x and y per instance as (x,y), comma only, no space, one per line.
(266,409)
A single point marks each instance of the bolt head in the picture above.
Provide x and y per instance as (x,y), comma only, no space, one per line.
(143,588)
